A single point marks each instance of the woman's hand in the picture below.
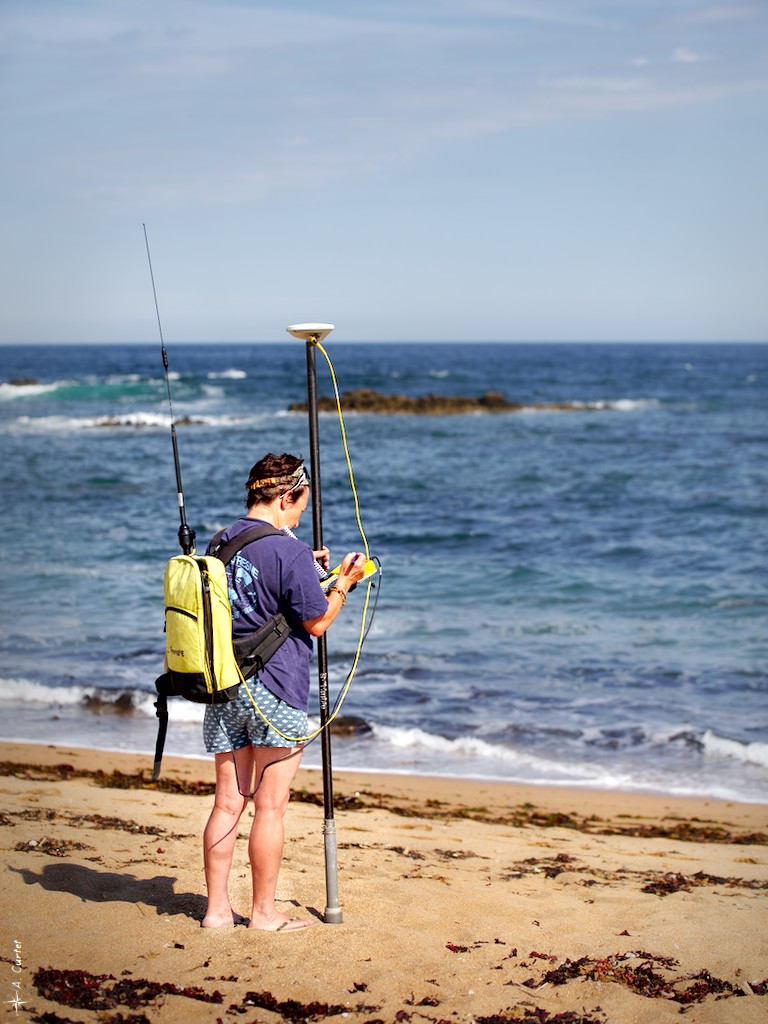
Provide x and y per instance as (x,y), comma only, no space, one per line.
(323,556)
(351,571)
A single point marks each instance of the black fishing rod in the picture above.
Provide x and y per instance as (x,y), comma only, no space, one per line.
(186,534)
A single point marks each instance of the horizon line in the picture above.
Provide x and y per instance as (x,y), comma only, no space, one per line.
(408,341)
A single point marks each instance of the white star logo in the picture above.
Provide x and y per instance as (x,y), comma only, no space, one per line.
(16,1003)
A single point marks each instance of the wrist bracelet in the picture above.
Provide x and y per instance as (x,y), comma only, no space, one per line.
(341,594)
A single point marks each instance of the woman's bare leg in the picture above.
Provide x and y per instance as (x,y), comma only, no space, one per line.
(276,768)
(221,832)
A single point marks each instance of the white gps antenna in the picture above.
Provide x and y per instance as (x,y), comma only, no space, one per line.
(310,332)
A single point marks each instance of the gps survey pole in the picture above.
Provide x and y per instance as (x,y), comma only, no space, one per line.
(313,334)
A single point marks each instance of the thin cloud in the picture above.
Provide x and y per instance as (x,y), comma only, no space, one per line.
(599,85)
(554,13)
(192,66)
(320,97)
(683,55)
(720,13)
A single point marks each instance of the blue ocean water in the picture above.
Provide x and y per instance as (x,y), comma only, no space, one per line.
(567,597)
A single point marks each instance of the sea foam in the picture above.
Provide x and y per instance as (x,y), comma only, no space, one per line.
(8,392)
(131,420)
(749,753)
(228,375)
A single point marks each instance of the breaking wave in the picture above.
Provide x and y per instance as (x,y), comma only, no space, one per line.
(133,420)
(748,753)
(8,391)
(232,374)
(619,404)
(123,715)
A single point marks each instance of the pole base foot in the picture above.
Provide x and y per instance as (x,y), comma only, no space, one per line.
(333,915)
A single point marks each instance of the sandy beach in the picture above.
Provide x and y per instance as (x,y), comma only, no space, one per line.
(462,901)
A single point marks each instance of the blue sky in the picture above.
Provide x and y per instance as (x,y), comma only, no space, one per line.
(405,169)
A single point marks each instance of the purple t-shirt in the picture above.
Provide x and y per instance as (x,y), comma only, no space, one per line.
(270,575)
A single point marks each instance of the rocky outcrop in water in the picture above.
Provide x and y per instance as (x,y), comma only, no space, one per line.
(369,401)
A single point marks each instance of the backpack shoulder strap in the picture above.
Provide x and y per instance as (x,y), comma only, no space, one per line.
(226,551)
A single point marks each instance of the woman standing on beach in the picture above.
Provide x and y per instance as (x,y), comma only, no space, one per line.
(275,573)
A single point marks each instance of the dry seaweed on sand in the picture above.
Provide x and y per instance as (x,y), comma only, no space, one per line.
(85,991)
(109,780)
(675,881)
(522,816)
(536,1015)
(293,1010)
(51,1017)
(51,847)
(659,884)
(645,979)
(98,821)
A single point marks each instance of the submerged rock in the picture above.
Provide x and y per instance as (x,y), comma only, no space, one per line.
(350,725)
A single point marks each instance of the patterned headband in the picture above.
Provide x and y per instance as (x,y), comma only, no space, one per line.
(270,481)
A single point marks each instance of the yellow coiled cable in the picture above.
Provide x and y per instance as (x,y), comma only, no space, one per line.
(345,689)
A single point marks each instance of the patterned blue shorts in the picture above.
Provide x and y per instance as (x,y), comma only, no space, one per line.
(238,723)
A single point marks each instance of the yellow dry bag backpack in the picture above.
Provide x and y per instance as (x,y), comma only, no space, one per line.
(198,627)
(203,662)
